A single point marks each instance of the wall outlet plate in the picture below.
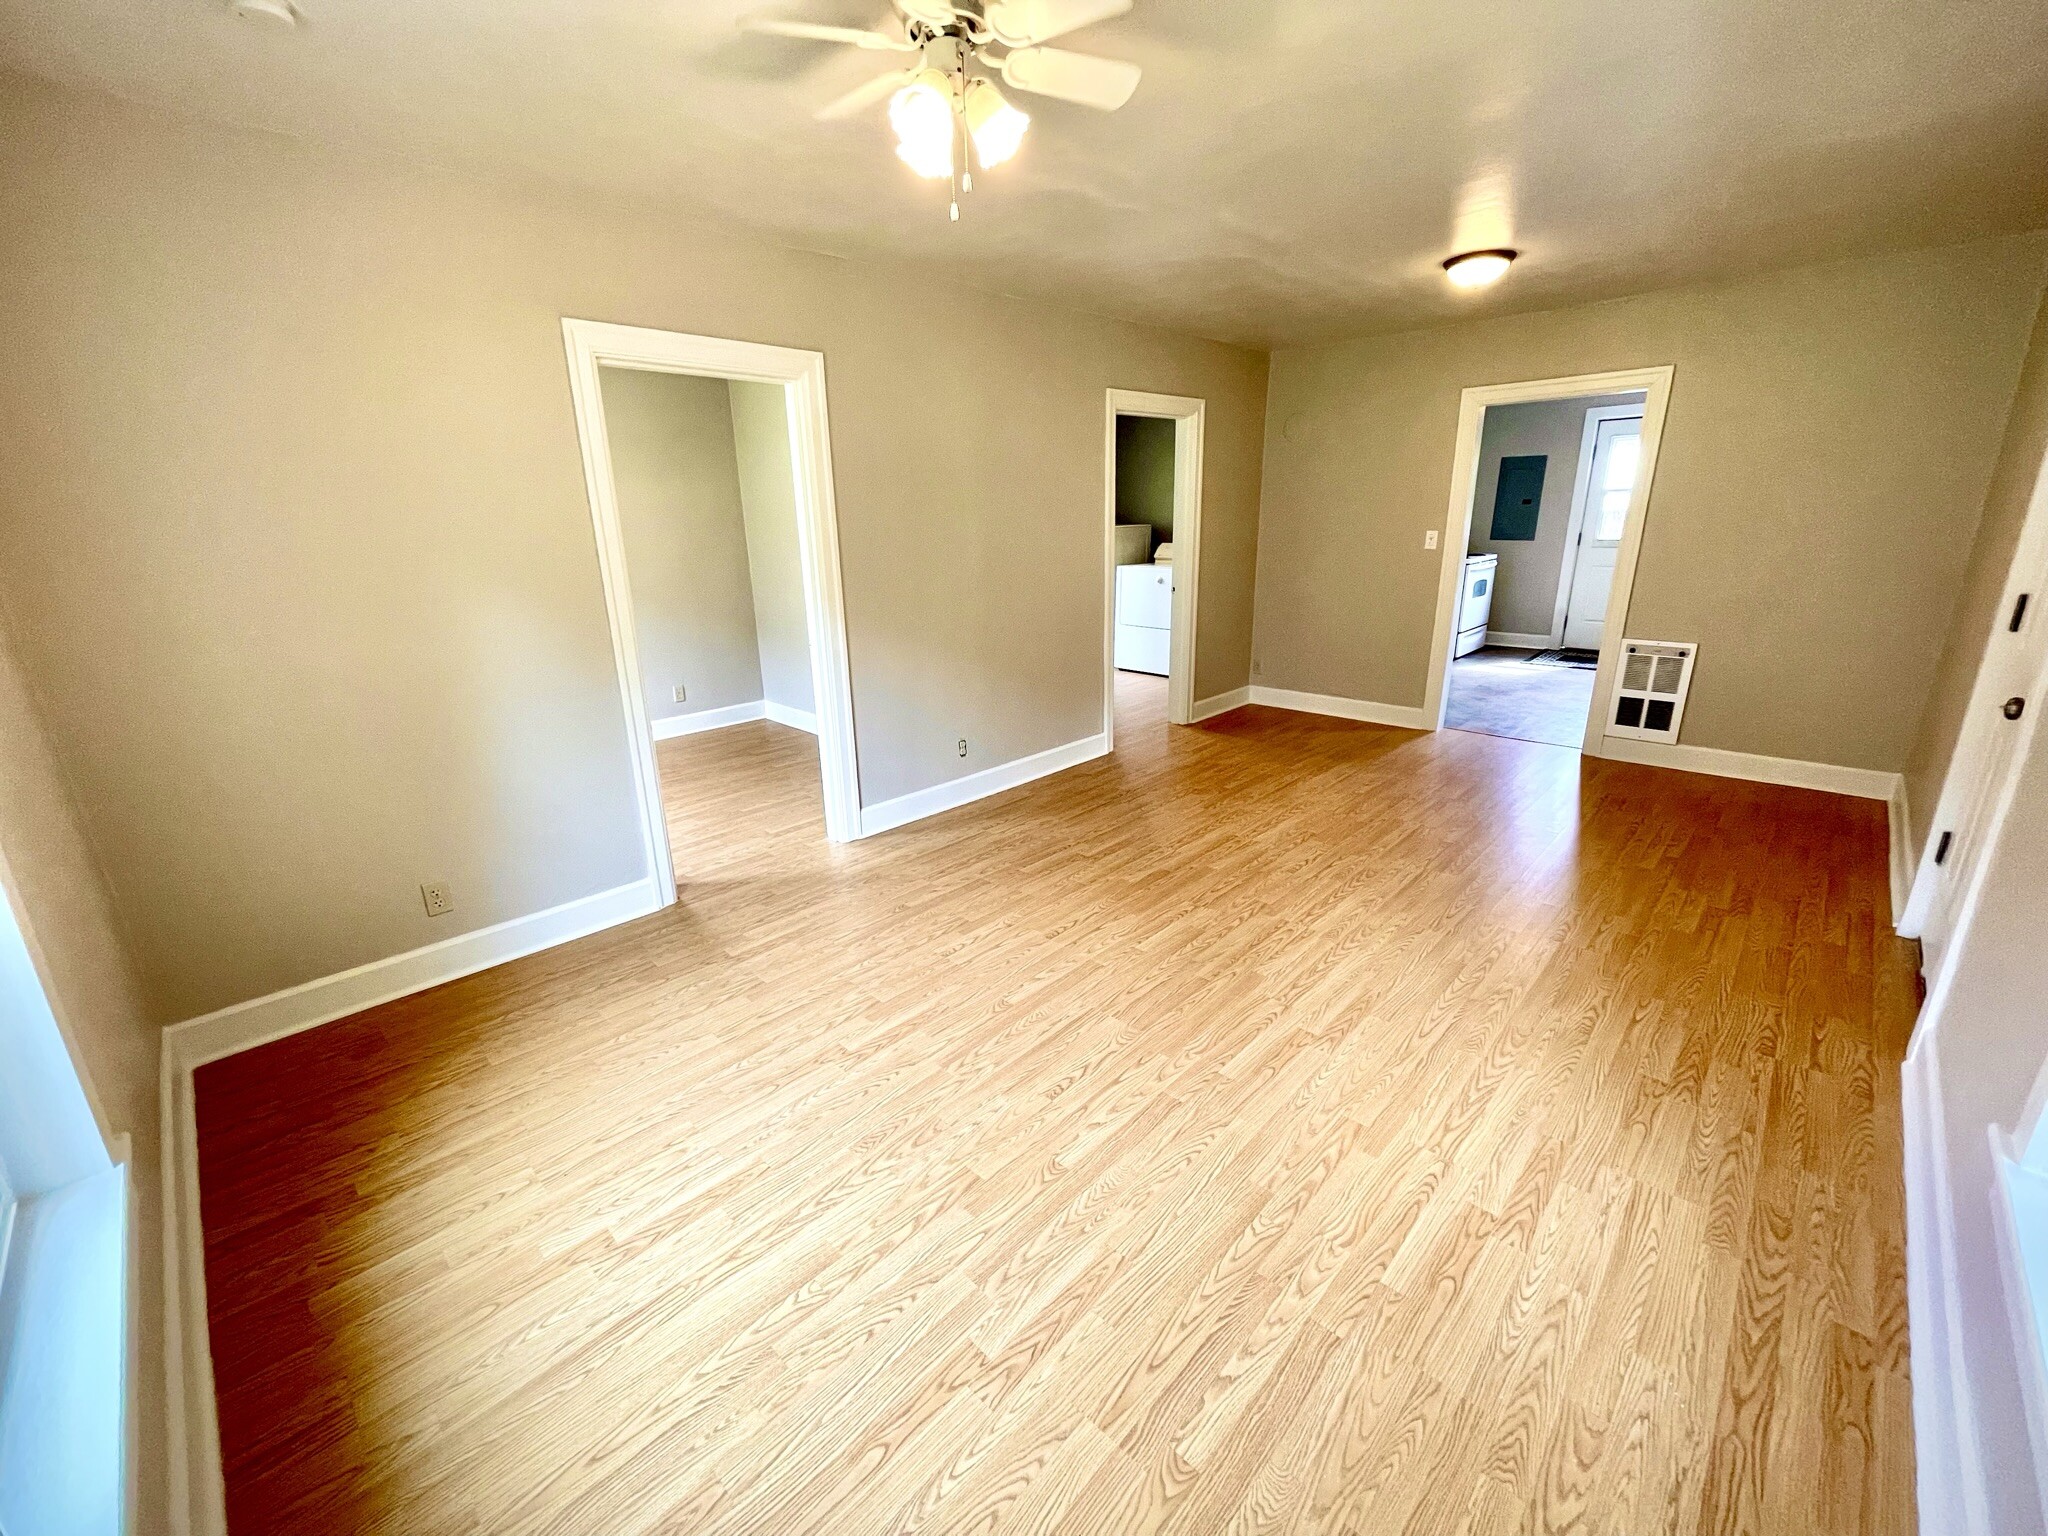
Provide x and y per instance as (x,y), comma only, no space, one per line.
(1429,539)
(963,746)
(438,901)
(682,694)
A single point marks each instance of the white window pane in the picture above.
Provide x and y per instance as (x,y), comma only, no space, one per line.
(1623,455)
(1613,515)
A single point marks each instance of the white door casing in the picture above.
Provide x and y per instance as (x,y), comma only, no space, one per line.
(593,344)
(1189,416)
(2006,698)
(1456,529)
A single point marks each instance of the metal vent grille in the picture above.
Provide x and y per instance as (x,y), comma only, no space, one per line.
(1649,696)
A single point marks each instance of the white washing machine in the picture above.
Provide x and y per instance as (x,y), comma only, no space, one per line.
(1144,617)
(1475,602)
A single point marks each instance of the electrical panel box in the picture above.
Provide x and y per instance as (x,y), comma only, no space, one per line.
(1518,496)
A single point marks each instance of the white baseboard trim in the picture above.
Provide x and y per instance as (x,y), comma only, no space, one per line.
(1948,1456)
(1864,783)
(1899,826)
(261,1020)
(198,1498)
(979,786)
(796,719)
(1412,718)
(1219,704)
(1514,642)
(668,727)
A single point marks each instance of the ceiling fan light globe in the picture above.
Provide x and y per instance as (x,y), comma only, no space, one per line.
(996,127)
(922,116)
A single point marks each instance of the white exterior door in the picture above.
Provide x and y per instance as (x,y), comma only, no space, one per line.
(1617,454)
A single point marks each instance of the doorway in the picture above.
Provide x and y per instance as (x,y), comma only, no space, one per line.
(1152,479)
(709,474)
(1549,486)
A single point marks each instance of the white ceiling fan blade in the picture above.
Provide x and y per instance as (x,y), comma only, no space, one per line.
(879,41)
(1023,23)
(935,12)
(861,97)
(1082,77)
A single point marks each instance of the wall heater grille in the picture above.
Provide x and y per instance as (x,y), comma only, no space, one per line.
(1649,695)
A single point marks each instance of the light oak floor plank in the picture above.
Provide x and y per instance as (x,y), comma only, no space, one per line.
(1285,1125)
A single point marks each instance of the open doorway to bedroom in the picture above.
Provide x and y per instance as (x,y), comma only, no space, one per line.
(1539,551)
(710,493)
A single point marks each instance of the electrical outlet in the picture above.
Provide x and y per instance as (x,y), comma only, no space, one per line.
(963,746)
(439,902)
(682,694)
(1258,667)
(1429,539)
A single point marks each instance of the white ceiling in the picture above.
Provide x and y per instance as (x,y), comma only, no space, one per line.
(1289,171)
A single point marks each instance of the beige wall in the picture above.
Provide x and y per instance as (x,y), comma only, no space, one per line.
(1830,437)
(293,523)
(760,430)
(51,875)
(678,482)
(1977,609)
(1525,596)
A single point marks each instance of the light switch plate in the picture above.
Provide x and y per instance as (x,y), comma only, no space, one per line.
(1429,539)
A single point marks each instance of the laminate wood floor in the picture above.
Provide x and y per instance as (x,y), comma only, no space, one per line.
(1286,1125)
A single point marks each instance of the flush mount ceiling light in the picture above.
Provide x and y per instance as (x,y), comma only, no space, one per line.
(277,12)
(1476,269)
(943,98)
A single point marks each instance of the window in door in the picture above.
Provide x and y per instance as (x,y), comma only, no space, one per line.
(1621,455)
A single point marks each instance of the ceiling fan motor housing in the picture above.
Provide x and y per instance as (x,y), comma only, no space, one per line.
(945,53)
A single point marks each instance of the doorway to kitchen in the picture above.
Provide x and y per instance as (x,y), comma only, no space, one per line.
(1540,547)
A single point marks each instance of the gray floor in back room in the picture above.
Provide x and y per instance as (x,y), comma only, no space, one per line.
(1503,693)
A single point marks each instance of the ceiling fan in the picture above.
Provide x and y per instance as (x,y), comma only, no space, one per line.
(943,98)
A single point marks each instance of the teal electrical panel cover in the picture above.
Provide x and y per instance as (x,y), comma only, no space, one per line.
(1518,497)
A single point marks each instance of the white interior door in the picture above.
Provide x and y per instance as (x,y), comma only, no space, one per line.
(1617,454)
(1992,737)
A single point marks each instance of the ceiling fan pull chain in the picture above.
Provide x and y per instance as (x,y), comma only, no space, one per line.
(960,139)
(960,173)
